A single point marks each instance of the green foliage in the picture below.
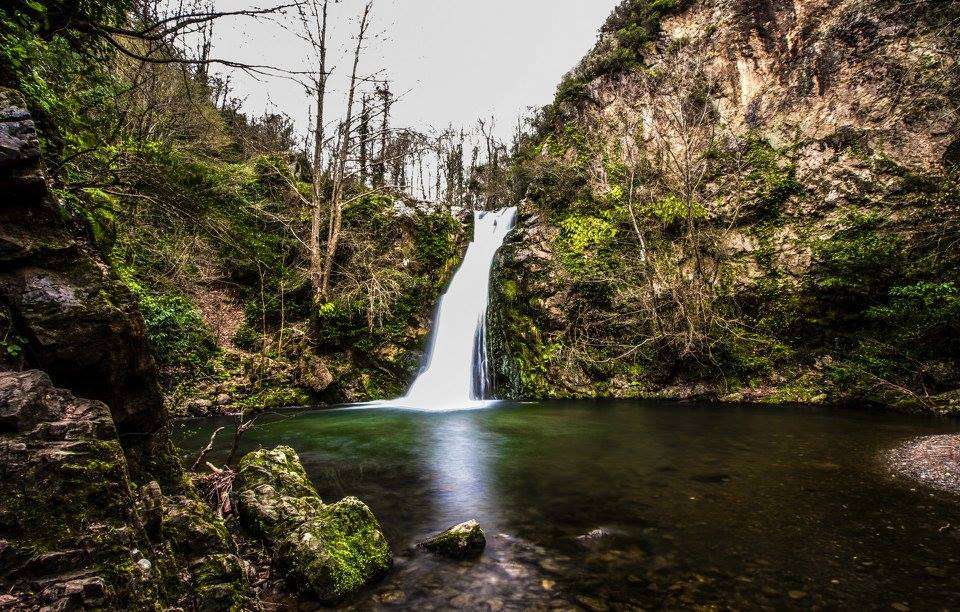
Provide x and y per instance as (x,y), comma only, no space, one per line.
(629,29)
(179,338)
(62,87)
(924,314)
(555,172)
(860,260)
(435,239)
(671,210)
(247,338)
(585,243)
(771,176)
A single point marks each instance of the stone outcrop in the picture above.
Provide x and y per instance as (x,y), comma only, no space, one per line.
(69,532)
(463,541)
(74,320)
(326,551)
(73,532)
(841,121)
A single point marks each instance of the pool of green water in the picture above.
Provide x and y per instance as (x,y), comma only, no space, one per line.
(623,504)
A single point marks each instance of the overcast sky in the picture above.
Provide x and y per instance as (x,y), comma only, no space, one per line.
(453,61)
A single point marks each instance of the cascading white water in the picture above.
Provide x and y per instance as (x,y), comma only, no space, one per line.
(454,374)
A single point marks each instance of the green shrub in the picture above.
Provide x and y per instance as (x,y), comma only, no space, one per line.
(248,338)
(671,210)
(584,244)
(176,332)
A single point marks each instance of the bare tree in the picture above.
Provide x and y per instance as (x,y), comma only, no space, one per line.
(339,175)
(364,138)
(315,25)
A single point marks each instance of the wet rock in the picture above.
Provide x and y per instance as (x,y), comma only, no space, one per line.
(463,541)
(595,534)
(19,145)
(592,603)
(328,552)
(279,468)
(395,596)
(66,509)
(81,324)
(550,565)
(219,583)
(313,372)
(937,572)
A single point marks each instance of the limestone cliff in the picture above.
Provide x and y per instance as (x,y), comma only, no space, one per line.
(744,198)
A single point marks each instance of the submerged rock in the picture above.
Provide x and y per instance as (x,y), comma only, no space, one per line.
(463,541)
(326,551)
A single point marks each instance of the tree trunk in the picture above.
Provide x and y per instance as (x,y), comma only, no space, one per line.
(336,201)
(316,266)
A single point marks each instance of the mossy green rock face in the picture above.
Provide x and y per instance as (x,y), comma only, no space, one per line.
(280,468)
(463,541)
(328,552)
(219,583)
(70,537)
(336,552)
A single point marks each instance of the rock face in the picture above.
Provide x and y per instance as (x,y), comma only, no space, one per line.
(74,320)
(827,139)
(71,531)
(463,541)
(328,552)
(74,531)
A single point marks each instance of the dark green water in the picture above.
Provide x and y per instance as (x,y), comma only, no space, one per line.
(727,506)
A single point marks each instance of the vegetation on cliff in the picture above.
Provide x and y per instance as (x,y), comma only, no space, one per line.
(204,213)
(738,226)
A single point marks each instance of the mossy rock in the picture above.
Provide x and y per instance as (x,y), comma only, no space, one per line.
(219,583)
(269,515)
(336,552)
(280,468)
(463,541)
(327,552)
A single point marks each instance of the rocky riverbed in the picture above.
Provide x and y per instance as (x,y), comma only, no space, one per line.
(931,460)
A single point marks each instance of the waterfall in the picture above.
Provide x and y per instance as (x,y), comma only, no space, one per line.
(455,372)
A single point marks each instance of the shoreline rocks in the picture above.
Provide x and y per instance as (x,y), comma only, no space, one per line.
(931,460)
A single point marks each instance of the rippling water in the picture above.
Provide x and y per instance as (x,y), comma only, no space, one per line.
(633,504)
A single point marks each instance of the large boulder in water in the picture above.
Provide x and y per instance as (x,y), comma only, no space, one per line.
(326,551)
(463,541)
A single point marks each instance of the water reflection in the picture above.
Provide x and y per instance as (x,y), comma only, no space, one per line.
(458,458)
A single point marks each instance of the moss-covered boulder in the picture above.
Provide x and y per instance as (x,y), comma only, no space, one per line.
(219,583)
(70,537)
(328,552)
(197,541)
(463,541)
(280,468)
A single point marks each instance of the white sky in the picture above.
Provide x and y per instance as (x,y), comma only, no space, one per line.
(454,61)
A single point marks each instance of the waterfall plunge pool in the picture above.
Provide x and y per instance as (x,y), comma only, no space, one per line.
(625,504)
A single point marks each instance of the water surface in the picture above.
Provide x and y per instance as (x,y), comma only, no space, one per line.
(629,504)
